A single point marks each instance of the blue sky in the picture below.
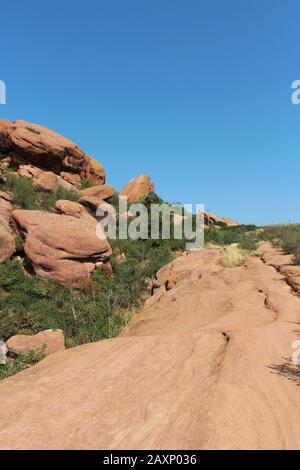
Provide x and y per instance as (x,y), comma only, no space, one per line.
(195,93)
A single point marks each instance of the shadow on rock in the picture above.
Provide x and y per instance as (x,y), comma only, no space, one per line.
(288,370)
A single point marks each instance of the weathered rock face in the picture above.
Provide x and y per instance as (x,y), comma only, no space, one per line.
(137,188)
(63,206)
(43,180)
(212,219)
(292,274)
(48,341)
(230,222)
(62,247)
(275,258)
(25,143)
(94,203)
(102,192)
(7,241)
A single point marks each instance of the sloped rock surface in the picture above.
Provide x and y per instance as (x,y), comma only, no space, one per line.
(101,192)
(203,366)
(212,219)
(283,264)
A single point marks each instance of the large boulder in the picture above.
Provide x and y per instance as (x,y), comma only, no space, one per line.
(102,192)
(66,207)
(7,241)
(48,341)
(137,188)
(25,143)
(65,248)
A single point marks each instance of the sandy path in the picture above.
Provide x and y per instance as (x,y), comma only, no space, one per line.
(205,365)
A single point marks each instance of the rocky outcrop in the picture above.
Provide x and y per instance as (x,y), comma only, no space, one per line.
(22,143)
(48,341)
(102,192)
(7,240)
(43,180)
(137,188)
(62,247)
(214,220)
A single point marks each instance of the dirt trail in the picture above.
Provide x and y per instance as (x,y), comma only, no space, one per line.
(206,365)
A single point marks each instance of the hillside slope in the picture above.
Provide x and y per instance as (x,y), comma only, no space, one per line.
(205,365)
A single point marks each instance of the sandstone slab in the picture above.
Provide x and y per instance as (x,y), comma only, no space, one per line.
(101,192)
(203,366)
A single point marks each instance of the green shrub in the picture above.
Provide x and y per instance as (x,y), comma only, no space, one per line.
(227,235)
(286,237)
(86,184)
(248,241)
(26,196)
(22,362)
(46,201)
(19,245)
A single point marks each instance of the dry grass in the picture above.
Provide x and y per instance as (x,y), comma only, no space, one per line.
(232,256)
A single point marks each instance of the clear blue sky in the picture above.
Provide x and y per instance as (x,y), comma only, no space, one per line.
(195,93)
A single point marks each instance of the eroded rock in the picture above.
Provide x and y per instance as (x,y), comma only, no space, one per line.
(65,248)
(74,209)
(48,341)
(25,143)
(43,180)
(101,192)
(292,274)
(137,188)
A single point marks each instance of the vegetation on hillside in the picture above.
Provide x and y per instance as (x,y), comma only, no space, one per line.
(26,196)
(244,235)
(286,237)
(99,310)
(103,307)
